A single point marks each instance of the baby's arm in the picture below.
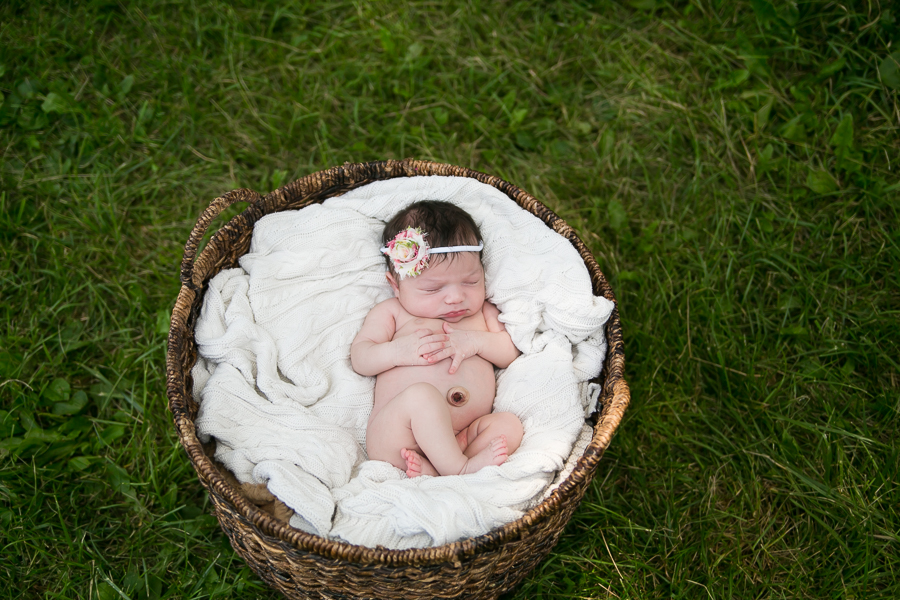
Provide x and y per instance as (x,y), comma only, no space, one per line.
(493,345)
(374,350)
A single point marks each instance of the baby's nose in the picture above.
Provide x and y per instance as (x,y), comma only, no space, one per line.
(454,296)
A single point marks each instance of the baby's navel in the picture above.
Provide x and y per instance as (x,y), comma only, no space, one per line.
(457,396)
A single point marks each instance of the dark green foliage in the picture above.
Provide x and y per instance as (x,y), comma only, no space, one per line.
(731,165)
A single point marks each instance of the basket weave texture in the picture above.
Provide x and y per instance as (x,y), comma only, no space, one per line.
(301,565)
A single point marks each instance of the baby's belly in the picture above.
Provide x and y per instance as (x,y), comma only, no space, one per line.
(475,374)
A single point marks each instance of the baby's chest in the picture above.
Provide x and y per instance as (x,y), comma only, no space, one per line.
(412,324)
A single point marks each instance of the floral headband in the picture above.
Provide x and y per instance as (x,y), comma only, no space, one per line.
(409,251)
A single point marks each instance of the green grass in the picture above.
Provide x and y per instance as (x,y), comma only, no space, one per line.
(730,164)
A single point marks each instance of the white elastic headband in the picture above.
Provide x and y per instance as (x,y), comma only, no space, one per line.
(451,249)
(409,251)
(446,249)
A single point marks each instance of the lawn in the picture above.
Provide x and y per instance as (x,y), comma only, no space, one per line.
(731,165)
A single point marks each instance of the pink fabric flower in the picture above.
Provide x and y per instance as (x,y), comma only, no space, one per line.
(408,252)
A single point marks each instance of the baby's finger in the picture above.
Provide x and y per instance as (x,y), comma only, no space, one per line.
(437,337)
(433,341)
(426,349)
(457,360)
(439,354)
(423,332)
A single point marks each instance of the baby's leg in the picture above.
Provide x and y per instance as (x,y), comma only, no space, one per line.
(389,433)
(418,418)
(478,436)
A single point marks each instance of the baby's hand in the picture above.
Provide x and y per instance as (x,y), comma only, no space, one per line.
(414,349)
(460,345)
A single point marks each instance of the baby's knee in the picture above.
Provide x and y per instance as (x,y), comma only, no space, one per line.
(510,425)
(420,395)
(422,387)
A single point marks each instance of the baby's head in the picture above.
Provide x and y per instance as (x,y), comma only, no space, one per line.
(451,285)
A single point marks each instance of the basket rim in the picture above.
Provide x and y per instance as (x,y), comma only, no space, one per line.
(615,394)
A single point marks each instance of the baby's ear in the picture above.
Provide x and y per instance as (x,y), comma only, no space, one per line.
(393,282)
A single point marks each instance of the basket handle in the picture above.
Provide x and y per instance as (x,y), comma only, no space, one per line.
(212,211)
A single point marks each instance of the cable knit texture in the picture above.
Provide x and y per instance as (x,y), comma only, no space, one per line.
(286,409)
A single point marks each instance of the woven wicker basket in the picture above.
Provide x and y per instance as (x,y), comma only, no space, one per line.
(307,566)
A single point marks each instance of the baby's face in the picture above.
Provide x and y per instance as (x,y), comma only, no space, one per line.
(451,289)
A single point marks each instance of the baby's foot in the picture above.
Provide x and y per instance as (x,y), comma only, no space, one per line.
(413,462)
(495,453)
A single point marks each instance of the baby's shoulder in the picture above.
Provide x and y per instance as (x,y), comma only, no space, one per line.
(491,316)
(390,309)
(389,304)
(382,321)
(488,309)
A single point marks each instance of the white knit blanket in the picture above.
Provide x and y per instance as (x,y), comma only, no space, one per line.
(279,395)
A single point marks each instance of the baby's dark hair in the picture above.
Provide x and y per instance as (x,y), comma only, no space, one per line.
(446,225)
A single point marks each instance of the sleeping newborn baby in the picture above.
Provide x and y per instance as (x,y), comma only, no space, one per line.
(433,348)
